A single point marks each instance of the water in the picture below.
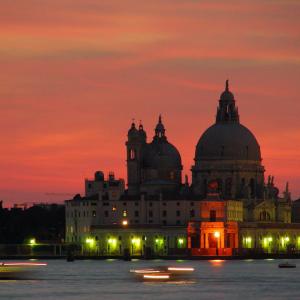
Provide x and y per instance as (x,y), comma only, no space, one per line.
(110,279)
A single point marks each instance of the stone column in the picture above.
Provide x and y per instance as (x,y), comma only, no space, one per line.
(206,240)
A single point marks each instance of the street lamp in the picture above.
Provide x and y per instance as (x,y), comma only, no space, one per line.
(180,242)
(32,242)
(90,242)
(217,234)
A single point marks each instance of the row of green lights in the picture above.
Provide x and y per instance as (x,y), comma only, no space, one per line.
(134,241)
(283,239)
(269,238)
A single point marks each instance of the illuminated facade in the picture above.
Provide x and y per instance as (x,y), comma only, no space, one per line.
(227,209)
(217,231)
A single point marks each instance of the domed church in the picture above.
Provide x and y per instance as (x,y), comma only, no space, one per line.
(227,156)
(152,168)
(228,209)
(229,153)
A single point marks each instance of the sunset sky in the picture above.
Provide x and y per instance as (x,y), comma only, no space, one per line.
(75,72)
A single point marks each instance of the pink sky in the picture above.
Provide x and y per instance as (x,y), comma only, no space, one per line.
(74,73)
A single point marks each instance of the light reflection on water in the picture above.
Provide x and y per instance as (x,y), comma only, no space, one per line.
(216,262)
(103,279)
(171,282)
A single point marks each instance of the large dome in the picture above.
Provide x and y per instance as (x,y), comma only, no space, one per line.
(161,154)
(227,141)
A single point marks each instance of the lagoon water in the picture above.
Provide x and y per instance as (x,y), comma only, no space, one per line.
(110,279)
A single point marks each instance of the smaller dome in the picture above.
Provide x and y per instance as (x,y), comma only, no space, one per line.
(162,155)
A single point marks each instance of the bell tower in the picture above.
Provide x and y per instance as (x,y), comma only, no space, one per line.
(135,144)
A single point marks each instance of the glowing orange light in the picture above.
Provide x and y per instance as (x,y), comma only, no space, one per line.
(217,234)
(24,264)
(180,269)
(217,260)
(149,271)
(156,276)
(124,222)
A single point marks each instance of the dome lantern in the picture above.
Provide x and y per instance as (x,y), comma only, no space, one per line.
(133,133)
(160,129)
(227,112)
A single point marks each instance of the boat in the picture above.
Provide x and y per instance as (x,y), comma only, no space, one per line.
(162,273)
(18,270)
(286,265)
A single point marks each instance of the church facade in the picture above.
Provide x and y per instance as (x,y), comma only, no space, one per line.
(229,207)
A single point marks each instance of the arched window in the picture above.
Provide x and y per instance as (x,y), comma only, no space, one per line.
(132,154)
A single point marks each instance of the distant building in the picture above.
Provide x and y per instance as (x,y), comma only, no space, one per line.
(228,208)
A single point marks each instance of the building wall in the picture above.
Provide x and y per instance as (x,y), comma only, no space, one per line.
(234,210)
(107,189)
(284,212)
(207,207)
(240,174)
(269,237)
(82,214)
(266,211)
